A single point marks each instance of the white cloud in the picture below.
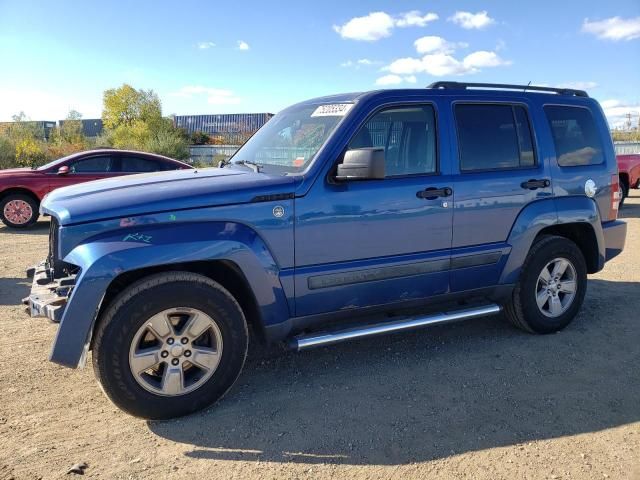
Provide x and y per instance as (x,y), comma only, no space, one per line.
(389,80)
(442,63)
(616,112)
(614,28)
(46,105)
(361,62)
(369,28)
(415,18)
(470,20)
(215,96)
(578,85)
(433,44)
(377,25)
(392,79)
(406,66)
(243,45)
(482,58)
(206,45)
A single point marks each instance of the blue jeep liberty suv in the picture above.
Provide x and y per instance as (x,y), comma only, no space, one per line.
(343,217)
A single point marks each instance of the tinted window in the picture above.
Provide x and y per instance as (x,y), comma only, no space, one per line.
(101,164)
(139,164)
(408,136)
(575,136)
(494,137)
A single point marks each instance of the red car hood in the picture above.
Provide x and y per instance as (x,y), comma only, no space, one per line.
(18,171)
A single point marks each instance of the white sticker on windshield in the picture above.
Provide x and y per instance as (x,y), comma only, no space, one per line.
(332,110)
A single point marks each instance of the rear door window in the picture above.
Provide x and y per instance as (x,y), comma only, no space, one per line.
(575,136)
(133,164)
(494,137)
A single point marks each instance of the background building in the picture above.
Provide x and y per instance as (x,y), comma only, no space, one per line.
(224,129)
(91,127)
(42,127)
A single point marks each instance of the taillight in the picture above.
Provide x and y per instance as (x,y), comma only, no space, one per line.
(615,197)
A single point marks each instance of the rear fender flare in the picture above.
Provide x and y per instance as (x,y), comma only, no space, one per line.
(546,213)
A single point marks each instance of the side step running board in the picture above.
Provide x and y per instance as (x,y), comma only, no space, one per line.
(408,323)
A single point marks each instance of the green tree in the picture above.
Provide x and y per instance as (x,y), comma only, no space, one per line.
(22,129)
(133,119)
(70,131)
(30,153)
(126,105)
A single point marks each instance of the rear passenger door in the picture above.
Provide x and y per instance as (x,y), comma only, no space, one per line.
(499,172)
(130,164)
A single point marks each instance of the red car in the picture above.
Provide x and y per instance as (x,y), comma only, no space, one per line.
(22,189)
(629,170)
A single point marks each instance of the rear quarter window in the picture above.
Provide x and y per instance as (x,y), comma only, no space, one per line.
(575,136)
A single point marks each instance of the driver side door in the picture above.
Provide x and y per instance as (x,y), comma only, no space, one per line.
(376,242)
(83,170)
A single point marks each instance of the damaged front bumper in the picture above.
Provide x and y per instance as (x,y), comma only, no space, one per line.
(48,296)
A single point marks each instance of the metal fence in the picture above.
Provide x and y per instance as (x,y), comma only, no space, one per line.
(232,129)
(211,154)
(627,147)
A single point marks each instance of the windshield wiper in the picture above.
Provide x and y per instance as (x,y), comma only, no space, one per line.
(252,165)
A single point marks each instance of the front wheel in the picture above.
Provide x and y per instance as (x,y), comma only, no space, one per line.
(551,287)
(18,211)
(169,345)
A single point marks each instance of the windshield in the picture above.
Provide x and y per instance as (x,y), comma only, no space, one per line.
(291,139)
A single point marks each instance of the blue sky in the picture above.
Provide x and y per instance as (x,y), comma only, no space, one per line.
(232,56)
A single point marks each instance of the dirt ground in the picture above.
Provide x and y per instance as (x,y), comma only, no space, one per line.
(474,400)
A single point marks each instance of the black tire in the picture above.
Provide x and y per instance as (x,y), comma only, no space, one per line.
(624,190)
(128,312)
(33,204)
(523,310)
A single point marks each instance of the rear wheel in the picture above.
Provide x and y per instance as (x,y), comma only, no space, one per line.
(18,211)
(551,287)
(624,190)
(169,345)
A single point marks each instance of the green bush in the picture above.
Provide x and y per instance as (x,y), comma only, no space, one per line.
(7,153)
(30,153)
(169,142)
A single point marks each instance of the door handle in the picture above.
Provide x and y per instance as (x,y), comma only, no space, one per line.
(432,193)
(534,184)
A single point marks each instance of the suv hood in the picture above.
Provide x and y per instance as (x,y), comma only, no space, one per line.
(134,195)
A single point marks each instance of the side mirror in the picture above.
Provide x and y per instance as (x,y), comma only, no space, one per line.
(63,170)
(362,164)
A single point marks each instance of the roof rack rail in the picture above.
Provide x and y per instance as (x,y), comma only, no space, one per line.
(524,88)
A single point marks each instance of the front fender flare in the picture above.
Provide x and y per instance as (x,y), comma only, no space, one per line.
(104,257)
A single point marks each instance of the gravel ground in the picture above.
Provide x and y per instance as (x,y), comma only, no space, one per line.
(477,400)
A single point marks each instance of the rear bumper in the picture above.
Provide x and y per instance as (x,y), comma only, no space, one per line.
(615,233)
(48,297)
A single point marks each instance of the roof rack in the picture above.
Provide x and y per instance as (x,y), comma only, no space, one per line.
(524,88)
